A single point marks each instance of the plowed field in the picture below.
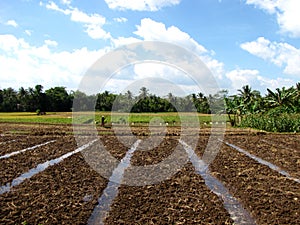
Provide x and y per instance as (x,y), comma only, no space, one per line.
(66,191)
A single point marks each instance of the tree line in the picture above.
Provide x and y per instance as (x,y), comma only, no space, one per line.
(246,102)
(58,99)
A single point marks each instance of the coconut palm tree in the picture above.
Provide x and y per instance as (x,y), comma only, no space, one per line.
(250,100)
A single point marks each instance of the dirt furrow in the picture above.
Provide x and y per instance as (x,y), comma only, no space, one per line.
(286,158)
(182,199)
(15,165)
(63,194)
(22,142)
(270,197)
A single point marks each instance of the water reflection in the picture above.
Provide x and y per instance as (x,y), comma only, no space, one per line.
(261,161)
(238,214)
(40,167)
(111,191)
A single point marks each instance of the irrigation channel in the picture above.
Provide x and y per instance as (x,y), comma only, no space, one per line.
(264,162)
(231,204)
(110,192)
(40,167)
(101,211)
(25,149)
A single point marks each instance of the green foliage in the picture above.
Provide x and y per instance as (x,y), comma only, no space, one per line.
(33,99)
(274,123)
(278,111)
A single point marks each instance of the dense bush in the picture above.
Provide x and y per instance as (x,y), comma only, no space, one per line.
(273,122)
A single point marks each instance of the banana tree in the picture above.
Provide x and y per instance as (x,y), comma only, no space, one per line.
(281,99)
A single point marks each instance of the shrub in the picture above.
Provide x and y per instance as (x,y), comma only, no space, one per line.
(273,122)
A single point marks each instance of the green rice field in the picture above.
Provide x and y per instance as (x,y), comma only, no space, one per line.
(172,119)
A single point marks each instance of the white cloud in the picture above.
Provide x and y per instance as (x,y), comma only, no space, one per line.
(268,5)
(28,32)
(117,42)
(216,67)
(11,23)
(159,78)
(51,43)
(286,11)
(22,64)
(121,19)
(51,5)
(151,30)
(275,83)
(66,2)
(280,54)
(140,5)
(163,71)
(93,23)
(242,77)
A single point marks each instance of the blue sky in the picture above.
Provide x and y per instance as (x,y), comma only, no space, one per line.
(53,43)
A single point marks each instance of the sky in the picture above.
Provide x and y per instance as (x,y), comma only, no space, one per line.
(54,43)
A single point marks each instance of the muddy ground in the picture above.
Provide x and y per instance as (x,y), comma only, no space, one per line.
(67,193)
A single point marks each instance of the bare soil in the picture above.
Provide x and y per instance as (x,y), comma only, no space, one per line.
(67,193)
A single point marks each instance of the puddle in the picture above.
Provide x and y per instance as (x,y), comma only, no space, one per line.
(237,212)
(41,167)
(261,161)
(24,150)
(111,191)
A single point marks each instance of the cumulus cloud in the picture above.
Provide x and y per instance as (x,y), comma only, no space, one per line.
(120,41)
(66,2)
(280,54)
(51,43)
(93,23)
(242,77)
(150,30)
(120,19)
(11,23)
(286,12)
(25,65)
(140,5)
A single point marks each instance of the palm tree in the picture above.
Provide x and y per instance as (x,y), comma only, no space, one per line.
(281,98)
(250,100)
(246,93)
(143,92)
(22,98)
